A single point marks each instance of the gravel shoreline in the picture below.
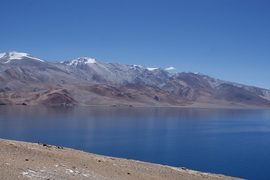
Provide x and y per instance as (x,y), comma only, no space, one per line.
(23,160)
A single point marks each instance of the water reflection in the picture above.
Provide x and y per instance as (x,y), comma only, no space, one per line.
(211,140)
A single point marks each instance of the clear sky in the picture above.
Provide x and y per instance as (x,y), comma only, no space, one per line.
(225,39)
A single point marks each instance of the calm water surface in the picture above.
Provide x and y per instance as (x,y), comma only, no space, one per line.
(227,141)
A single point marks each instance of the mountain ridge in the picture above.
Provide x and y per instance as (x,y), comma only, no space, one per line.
(25,79)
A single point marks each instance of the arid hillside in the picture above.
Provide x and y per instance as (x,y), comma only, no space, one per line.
(26,80)
(21,160)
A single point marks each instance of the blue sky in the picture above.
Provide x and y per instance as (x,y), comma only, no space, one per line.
(225,39)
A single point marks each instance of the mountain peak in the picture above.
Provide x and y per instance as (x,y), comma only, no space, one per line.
(14,55)
(80,61)
(151,69)
(89,82)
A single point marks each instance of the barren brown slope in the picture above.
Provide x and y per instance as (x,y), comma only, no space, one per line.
(21,160)
(91,94)
(32,81)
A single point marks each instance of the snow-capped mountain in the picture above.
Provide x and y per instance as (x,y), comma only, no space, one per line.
(80,62)
(25,79)
(12,56)
(117,74)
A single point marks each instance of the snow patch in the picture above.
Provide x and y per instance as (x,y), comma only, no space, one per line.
(151,69)
(2,55)
(80,61)
(169,68)
(17,56)
(139,66)
(35,58)
(90,60)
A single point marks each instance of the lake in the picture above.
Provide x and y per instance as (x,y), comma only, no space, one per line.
(234,142)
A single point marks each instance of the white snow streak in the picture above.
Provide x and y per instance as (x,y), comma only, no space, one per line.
(17,56)
(169,68)
(90,60)
(139,66)
(151,69)
(79,61)
(2,55)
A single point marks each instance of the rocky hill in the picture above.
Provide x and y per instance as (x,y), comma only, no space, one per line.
(27,80)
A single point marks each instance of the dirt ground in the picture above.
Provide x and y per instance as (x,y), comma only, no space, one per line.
(21,160)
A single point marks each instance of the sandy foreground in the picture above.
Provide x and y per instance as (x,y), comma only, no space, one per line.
(22,160)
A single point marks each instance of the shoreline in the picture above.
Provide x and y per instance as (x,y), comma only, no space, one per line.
(192,106)
(26,160)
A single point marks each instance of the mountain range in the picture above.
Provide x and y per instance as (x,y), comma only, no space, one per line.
(27,80)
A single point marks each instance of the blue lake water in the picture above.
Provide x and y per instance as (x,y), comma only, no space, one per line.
(234,142)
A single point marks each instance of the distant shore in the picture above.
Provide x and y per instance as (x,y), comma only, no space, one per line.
(23,160)
(194,105)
